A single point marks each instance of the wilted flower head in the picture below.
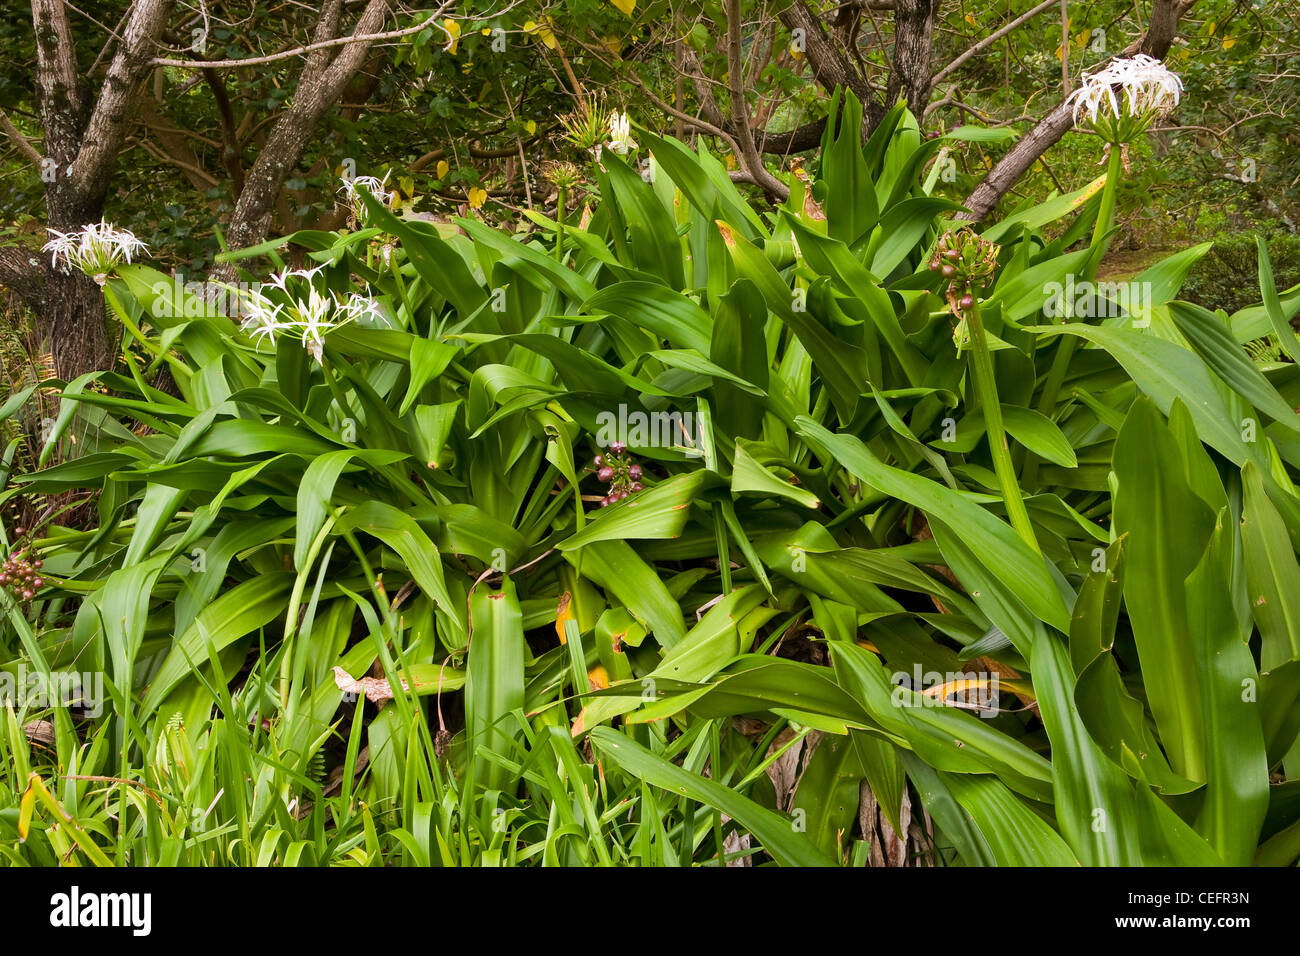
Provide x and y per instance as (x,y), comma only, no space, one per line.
(371,184)
(1150,91)
(309,314)
(562,175)
(620,134)
(587,127)
(96,249)
(967,262)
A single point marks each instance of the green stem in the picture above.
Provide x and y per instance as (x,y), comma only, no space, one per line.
(1070,343)
(559,225)
(987,389)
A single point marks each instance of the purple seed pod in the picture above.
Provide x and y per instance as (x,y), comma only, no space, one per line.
(38,583)
(604,502)
(634,472)
(4,579)
(617,447)
(949,270)
(605,474)
(38,563)
(636,486)
(966,301)
(599,461)
(27,595)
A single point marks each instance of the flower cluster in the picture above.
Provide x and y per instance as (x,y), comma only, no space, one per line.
(620,134)
(22,575)
(968,263)
(308,316)
(95,249)
(592,128)
(616,470)
(1150,92)
(371,184)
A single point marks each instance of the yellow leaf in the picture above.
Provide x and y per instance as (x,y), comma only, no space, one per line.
(1211,27)
(477,197)
(1091,190)
(970,18)
(1081,39)
(486,31)
(25,808)
(531,126)
(598,677)
(613,44)
(627,6)
(564,612)
(543,31)
(443,168)
(1229,42)
(453,34)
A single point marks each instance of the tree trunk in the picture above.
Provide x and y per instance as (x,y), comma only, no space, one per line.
(913,36)
(82,140)
(320,85)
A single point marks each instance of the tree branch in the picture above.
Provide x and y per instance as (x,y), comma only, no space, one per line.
(750,159)
(22,142)
(989,40)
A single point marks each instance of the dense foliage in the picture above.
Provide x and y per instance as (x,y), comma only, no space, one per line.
(887,575)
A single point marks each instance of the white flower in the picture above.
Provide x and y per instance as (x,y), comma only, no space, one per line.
(261,316)
(620,134)
(95,249)
(1150,92)
(308,317)
(280,279)
(371,184)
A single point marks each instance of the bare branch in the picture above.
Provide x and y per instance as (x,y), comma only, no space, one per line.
(989,40)
(435,20)
(749,157)
(22,142)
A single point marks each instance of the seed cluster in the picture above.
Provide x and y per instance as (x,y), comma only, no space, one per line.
(968,263)
(22,575)
(619,472)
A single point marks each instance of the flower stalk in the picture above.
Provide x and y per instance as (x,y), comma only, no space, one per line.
(968,264)
(986,390)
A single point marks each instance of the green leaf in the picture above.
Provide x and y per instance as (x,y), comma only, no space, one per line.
(657,512)
(494,687)
(749,476)
(775,832)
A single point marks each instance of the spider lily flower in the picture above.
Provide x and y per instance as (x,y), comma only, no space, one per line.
(309,317)
(1149,92)
(95,249)
(371,184)
(620,133)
